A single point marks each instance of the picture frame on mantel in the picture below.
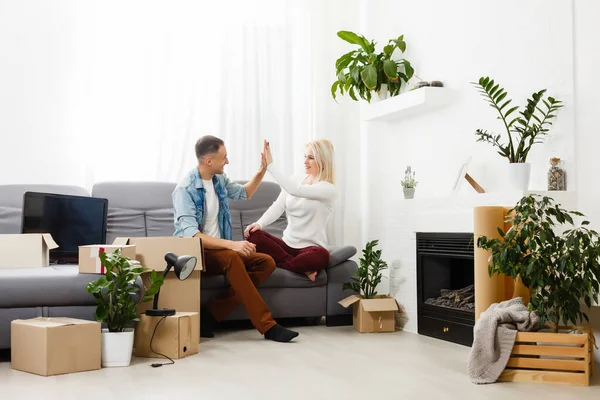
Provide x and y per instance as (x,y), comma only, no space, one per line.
(462,173)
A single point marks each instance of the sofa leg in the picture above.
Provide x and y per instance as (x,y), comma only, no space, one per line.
(339,320)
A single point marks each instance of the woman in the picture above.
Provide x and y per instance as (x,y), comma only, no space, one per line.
(308,202)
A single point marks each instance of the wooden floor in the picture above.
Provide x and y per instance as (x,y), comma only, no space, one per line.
(324,363)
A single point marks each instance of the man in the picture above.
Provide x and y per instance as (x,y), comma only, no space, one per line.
(202,210)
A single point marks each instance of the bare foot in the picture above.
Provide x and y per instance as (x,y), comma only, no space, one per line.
(311,275)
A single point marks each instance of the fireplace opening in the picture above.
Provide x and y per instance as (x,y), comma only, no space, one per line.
(445,286)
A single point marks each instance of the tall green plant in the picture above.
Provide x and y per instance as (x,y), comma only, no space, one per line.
(523,131)
(114,292)
(368,275)
(560,268)
(363,70)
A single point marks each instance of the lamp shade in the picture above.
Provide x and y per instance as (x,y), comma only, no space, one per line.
(182,265)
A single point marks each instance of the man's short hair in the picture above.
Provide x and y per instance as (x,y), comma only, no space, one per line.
(207,145)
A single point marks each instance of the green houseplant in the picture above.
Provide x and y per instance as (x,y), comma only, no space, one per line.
(114,293)
(361,71)
(369,274)
(523,129)
(561,269)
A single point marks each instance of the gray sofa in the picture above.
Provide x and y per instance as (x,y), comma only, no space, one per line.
(145,209)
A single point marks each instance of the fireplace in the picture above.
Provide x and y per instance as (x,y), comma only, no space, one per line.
(445,286)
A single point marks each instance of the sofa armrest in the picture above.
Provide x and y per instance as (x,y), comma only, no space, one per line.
(339,254)
(336,277)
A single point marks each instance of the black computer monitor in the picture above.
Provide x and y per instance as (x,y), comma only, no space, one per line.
(72,221)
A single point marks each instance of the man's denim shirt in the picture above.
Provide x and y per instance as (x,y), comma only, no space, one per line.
(189,204)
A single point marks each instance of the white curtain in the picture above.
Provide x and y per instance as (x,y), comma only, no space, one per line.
(156,76)
(121,90)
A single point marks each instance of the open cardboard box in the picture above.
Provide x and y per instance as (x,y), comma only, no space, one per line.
(28,250)
(372,315)
(150,251)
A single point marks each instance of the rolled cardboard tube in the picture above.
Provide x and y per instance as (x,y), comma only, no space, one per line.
(488,290)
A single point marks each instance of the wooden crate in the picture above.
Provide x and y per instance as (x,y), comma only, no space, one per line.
(552,358)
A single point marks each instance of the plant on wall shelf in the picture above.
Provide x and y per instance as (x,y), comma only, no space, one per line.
(363,70)
(524,129)
(409,181)
(560,269)
(369,274)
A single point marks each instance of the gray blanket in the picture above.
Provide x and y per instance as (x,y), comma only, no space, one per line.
(494,338)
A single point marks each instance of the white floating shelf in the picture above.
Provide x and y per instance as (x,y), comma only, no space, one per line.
(405,104)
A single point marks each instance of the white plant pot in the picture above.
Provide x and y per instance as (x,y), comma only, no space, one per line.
(518,175)
(409,193)
(117,348)
(381,95)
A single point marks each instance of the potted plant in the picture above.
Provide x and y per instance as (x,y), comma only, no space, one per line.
(371,312)
(524,129)
(115,294)
(362,71)
(561,269)
(369,274)
(409,183)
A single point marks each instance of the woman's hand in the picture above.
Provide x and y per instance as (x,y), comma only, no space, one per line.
(250,229)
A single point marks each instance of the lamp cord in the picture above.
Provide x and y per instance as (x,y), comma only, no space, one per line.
(155,365)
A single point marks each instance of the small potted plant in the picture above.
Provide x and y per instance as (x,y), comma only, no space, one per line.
(409,183)
(369,274)
(363,71)
(115,293)
(371,312)
(523,129)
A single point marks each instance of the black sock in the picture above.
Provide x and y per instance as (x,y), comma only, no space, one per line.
(280,334)
(208,323)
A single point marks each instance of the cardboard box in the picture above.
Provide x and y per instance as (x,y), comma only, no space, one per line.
(177,336)
(150,251)
(183,296)
(89,259)
(372,315)
(29,250)
(53,346)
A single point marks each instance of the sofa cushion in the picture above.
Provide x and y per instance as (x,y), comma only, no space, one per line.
(339,254)
(137,208)
(282,278)
(11,202)
(47,286)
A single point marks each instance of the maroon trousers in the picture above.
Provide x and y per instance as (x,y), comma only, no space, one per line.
(308,259)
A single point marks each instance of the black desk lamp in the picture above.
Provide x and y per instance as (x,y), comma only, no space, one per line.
(183,267)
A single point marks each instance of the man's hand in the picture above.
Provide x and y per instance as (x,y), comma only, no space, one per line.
(251,228)
(267,153)
(243,247)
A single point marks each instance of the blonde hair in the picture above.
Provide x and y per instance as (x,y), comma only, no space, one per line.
(323,151)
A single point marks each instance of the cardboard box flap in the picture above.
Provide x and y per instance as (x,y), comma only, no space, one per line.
(49,241)
(43,322)
(120,241)
(379,304)
(348,301)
